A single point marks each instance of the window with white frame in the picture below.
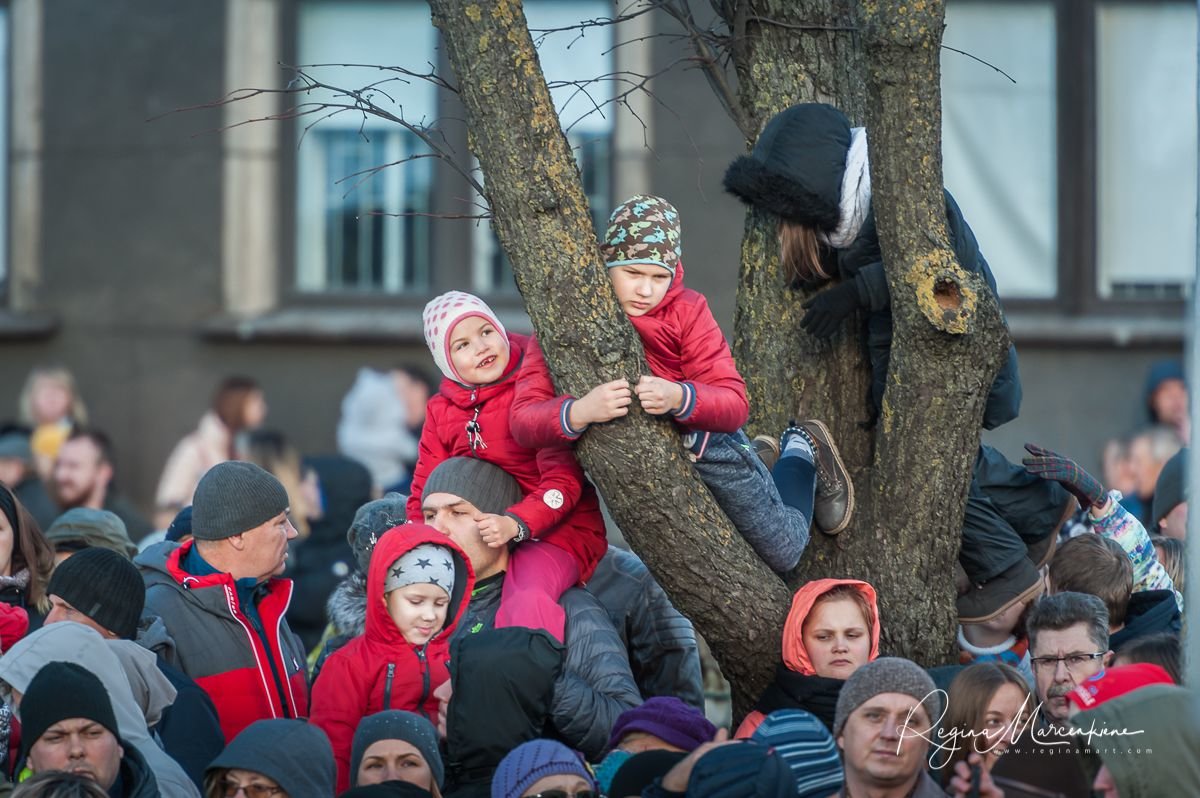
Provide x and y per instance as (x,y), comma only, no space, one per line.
(575,65)
(1146,149)
(999,137)
(361,200)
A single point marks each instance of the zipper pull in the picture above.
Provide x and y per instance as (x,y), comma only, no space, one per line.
(475,433)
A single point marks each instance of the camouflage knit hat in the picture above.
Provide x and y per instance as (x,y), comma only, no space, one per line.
(642,229)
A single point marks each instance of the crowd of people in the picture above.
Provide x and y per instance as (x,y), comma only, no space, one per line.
(436,610)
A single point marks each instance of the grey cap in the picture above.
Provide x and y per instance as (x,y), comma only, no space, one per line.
(293,753)
(14,445)
(85,528)
(490,488)
(395,724)
(235,497)
(886,675)
(370,522)
(1171,489)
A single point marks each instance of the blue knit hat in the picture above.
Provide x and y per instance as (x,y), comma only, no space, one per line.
(808,749)
(741,770)
(530,762)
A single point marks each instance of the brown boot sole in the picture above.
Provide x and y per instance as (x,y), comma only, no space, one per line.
(1033,591)
(837,458)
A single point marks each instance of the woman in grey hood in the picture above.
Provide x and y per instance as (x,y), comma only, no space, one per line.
(73,642)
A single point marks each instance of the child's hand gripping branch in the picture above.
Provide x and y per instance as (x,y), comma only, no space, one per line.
(658,396)
(603,403)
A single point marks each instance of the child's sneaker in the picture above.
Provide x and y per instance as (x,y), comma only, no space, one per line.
(767,449)
(834,505)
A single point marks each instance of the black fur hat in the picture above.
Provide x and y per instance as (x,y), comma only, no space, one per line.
(795,169)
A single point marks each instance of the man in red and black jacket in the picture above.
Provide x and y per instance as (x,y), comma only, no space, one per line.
(222,602)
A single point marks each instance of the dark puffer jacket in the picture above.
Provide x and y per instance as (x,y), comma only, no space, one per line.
(661,642)
(596,685)
(795,171)
(134,779)
(251,668)
(512,672)
(318,563)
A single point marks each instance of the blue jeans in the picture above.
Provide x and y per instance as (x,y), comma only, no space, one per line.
(776,528)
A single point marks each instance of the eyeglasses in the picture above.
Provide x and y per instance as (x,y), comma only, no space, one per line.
(561,794)
(1072,661)
(231,789)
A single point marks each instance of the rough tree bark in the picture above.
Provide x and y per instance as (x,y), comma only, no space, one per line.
(541,217)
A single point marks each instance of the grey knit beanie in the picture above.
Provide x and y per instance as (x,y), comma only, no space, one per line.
(371,521)
(490,488)
(235,497)
(886,675)
(427,564)
(395,724)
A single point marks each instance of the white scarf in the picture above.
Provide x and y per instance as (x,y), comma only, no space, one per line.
(856,193)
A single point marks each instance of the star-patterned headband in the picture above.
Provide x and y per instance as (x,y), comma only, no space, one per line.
(427,564)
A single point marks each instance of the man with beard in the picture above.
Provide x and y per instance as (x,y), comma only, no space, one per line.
(1068,644)
(83,477)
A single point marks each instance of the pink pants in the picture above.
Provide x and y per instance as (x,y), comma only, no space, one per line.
(538,575)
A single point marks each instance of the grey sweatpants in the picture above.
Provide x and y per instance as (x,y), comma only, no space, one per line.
(776,529)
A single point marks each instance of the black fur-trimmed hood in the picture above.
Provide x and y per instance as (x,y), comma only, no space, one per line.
(347,605)
(795,169)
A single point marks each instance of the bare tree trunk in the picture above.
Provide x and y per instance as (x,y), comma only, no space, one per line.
(541,217)
(949,338)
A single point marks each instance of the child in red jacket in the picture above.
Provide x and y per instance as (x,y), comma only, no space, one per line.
(556,530)
(696,383)
(418,586)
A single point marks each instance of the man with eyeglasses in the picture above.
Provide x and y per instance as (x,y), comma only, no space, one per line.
(1068,644)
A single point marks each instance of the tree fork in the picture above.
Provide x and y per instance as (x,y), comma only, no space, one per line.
(541,217)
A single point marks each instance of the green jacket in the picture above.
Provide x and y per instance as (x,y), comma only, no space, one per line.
(1169,719)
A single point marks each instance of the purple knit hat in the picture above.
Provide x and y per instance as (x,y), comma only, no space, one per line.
(532,761)
(667,718)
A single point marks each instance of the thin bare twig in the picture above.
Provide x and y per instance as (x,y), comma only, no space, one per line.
(980,60)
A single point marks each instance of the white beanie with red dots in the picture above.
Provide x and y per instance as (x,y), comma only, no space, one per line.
(442,314)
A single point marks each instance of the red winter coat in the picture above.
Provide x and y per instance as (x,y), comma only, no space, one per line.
(683,343)
(560,505)
(379,669)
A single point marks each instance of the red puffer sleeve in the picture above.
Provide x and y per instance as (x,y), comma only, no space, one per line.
(560,485)
(539,416)
(430,453)
(714,391)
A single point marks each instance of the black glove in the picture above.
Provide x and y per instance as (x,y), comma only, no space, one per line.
(828,309)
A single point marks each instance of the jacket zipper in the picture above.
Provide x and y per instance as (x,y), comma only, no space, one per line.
(387,686)
(424,680)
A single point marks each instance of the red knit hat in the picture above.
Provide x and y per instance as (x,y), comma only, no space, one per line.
(1116,682)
